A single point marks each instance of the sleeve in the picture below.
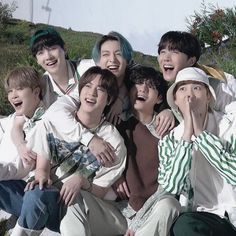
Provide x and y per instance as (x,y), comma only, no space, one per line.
(106,176)
(62,115)
(225,93)
(37,140)
(174,163)
(221,156)
(12,170)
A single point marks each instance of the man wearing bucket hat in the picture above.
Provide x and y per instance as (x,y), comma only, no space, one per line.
(197,158)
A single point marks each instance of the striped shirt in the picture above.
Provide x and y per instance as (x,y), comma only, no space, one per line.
(204,170)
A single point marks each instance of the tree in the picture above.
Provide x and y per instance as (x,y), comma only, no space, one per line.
(6,11)
(213,25)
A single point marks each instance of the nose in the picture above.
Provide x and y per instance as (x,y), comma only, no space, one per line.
(13,94)
(112,57)
(143,87)
(93,92)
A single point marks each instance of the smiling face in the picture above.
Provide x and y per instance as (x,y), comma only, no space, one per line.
(144,96)
(195,92)
(24,100)
(51,59)
(172,61)
(93,97)
(111,58)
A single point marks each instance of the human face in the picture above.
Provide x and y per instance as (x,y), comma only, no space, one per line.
(111,58)
(24,100)
(93,98)
(143,97)
(194,93)
(172,61)
(51,59)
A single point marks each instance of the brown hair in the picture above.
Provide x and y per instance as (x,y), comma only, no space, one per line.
(108,82)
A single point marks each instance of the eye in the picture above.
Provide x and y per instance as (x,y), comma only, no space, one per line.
(105,54)
(198,87)
(181,88)
(39,53)
(101,89)
(87,85)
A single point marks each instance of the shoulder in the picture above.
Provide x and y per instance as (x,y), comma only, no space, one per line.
(84,65)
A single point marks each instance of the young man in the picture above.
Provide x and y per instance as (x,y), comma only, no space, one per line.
(197,158)
(61,76)
(138,183)
(178,50)
(83,183)
(24,88)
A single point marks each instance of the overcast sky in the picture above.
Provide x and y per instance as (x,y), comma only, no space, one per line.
(142,22)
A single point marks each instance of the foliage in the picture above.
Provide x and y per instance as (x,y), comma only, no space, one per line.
(215,28)
(6,11)
(213,25)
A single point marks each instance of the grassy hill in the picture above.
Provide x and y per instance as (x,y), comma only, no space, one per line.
(14,44)
(14,51)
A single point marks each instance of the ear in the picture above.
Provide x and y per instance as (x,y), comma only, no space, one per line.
(192,61)
(159,99)
(37,91)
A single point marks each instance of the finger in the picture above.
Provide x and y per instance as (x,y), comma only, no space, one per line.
(41,182)
(172,124)
(67,198)
(126,189)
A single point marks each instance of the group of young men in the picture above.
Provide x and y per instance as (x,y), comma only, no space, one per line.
(94,150)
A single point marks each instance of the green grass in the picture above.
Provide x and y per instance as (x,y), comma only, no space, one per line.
(14,44)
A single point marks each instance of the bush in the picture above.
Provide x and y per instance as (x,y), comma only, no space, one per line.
(215,28)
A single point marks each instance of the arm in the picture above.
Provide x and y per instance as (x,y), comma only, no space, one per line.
(221,156)
(75,131)
(42,174)
(17,135)
(175,162)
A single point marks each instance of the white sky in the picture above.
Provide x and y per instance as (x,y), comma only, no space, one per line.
(142,22)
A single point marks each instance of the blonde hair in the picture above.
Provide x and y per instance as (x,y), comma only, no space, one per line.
(24,77)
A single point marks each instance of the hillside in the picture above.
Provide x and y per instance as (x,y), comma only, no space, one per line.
(14,43)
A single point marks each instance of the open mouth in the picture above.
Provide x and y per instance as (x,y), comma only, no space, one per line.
(17,104)
(51,63)
(168,68)
(90,101)
(113,68)
(141,98)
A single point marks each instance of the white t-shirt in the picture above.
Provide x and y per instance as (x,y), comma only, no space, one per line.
(56,125)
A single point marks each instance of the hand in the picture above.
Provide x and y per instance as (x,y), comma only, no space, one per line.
(165,121)
(70,189)
(129,232)
(19,121)
(198,118)
(121,189)
(103,151)
(41,181)
(188,123)
(115,111)
(27,155)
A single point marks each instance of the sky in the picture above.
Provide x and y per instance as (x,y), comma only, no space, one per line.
(142,22)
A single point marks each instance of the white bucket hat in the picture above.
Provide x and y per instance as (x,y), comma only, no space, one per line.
(190,74)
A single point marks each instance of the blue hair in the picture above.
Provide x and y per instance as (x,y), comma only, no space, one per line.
(126,48)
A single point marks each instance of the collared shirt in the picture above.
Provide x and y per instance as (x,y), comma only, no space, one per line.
(11,165)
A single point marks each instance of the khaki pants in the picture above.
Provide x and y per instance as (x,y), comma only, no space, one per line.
(92,216)
(161,218)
